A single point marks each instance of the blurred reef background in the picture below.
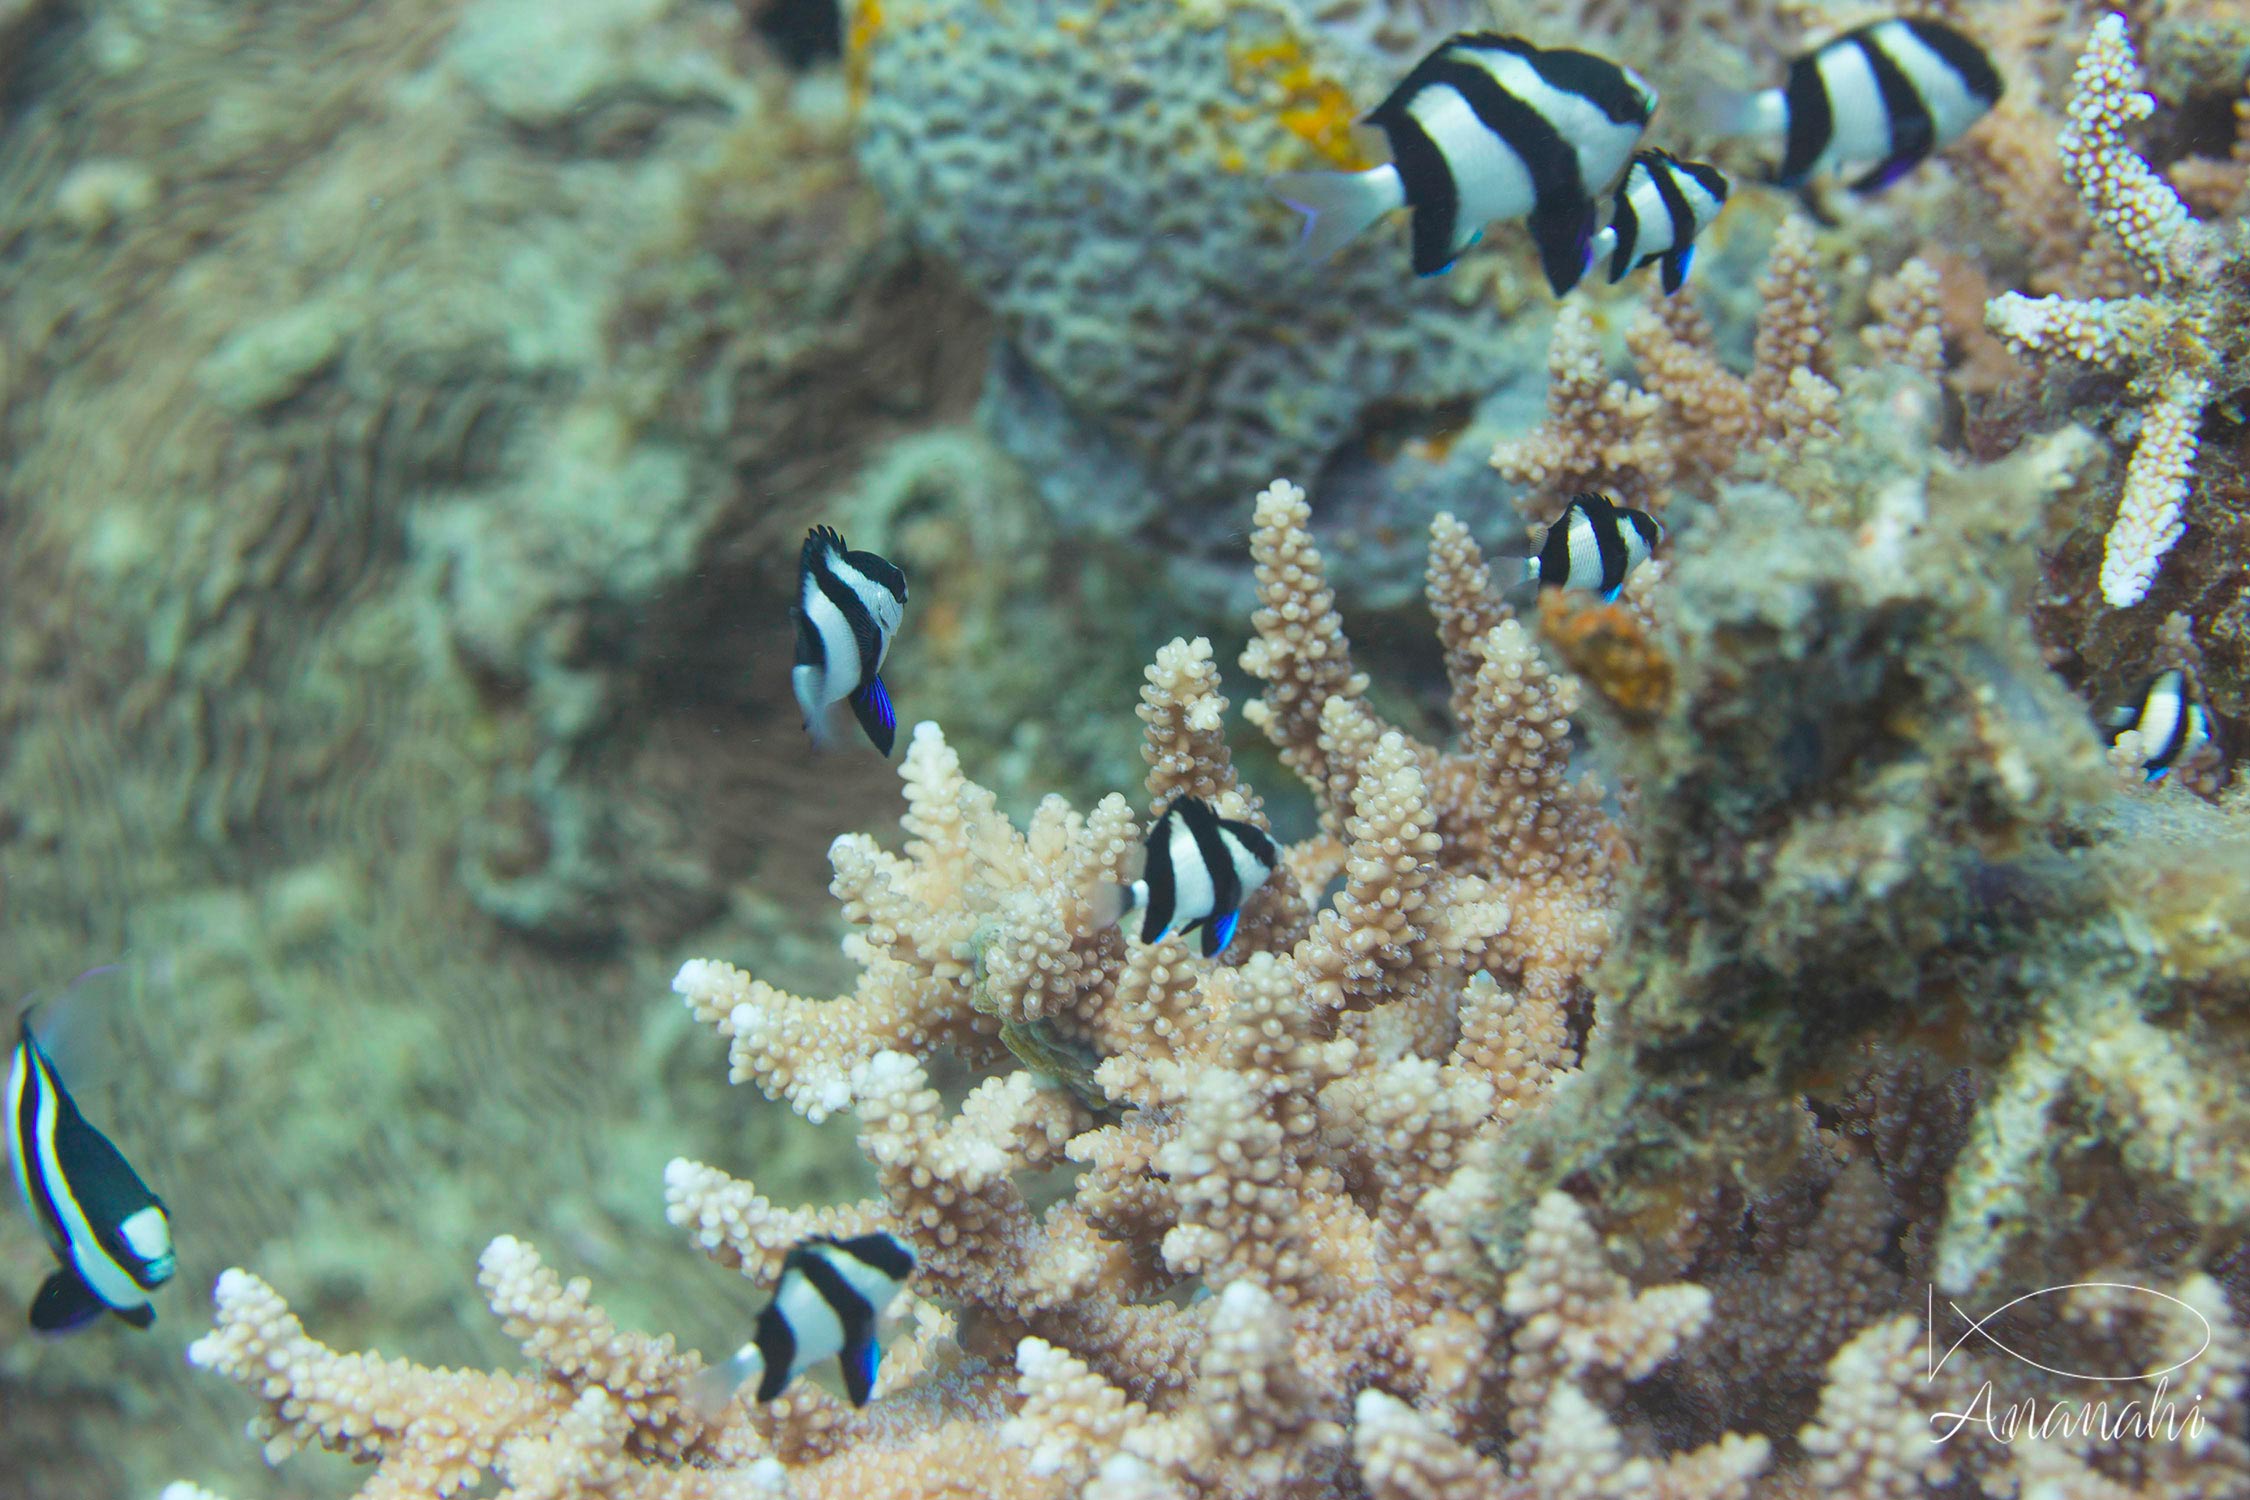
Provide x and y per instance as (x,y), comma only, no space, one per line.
(409,413)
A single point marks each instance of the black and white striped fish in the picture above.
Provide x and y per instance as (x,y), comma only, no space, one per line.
(2173,725)
(831,1296)
(110,1233)
(1659,208)
(1487,127)
(1595,545)
(848,609)
(1879,101)
(1199,871)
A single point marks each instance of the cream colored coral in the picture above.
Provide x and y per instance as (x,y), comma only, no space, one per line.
(1600,434)
(1873,1437)
(2156,487)
(2116,185)
(2168,339)
(1911,332)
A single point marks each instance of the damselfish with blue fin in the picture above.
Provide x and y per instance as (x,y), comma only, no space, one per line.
(2174,727)
(848,609)
(1661,204)
(111,1236)
(1199,870)
(829,1301)
(1594,545)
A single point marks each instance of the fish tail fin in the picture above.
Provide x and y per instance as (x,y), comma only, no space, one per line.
(872,706)
(711,1390)
(805,682)
(1338,206)
(1113,903)
(1715,110)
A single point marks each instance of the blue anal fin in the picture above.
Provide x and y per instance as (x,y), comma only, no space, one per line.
(2156,774)
(1218,932)
(859,1362)
(872,706)
(1676,268)
(65,1304)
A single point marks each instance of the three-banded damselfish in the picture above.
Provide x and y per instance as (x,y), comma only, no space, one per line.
(111,1235)
(1487,127)
(1879,101)
(1199,870)
(1595,544)
(1660,206)
(848,609)
(829,1302)
(2174,727)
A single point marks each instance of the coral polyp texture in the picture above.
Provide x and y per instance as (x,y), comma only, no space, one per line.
(2180,339)
(1326,1233)
(1628,1088)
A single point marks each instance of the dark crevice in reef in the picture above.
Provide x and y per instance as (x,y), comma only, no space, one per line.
(804,33)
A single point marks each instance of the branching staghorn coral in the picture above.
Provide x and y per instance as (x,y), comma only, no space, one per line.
(2181,340)
(1264,1244)
(1692,417)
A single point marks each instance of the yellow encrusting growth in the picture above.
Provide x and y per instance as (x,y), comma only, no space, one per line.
(1311,105)
(859,37)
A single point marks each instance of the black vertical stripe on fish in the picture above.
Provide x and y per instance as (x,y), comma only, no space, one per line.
(880,1252)
(1163,890)
(1676,206)
(1562,216)
(1422,171)
(865,636)
(1609,540)
(1960,54)
(1627,226)
(776,1343)
(811,652)
(1913,130)
(1255,840)
(1218,863)
(855,1317)
(25,1139)
(1811,123)
(1566,70)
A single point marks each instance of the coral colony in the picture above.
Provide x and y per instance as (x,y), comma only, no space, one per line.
(1614,1093)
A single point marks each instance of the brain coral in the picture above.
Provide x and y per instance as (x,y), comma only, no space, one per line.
(1096,171)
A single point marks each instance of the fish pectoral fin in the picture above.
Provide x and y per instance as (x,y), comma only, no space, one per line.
(65,1304)
(1564,234)
(860,1361)
(872,705)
